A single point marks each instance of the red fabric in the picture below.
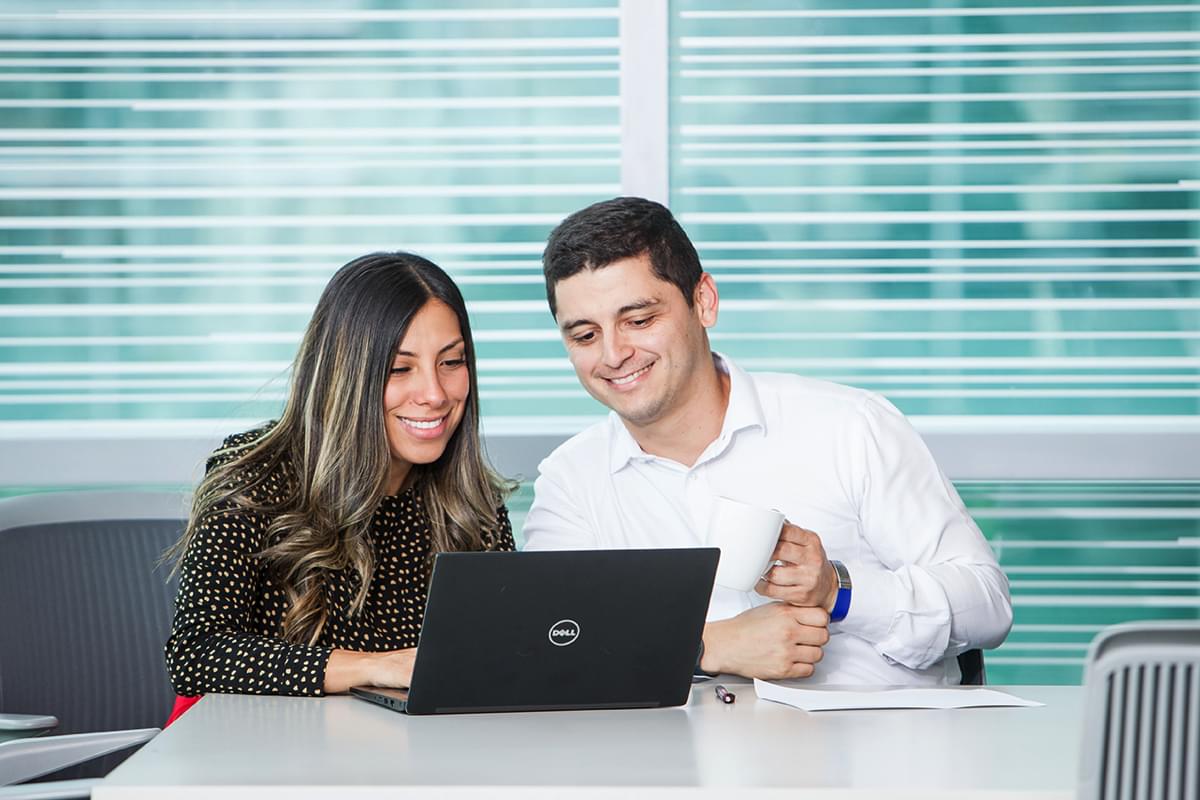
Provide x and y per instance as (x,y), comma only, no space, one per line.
(182,704)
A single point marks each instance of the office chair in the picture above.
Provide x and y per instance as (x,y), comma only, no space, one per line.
(84,612)
(970,664)
(1142,714)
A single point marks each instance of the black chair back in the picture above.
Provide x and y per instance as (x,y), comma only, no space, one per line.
(84,613)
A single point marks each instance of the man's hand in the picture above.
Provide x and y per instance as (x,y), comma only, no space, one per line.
(806,577)
(771,641)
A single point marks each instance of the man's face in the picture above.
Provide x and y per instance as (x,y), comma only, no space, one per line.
(632,338)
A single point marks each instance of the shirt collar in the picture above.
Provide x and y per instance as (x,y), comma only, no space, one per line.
(744,411)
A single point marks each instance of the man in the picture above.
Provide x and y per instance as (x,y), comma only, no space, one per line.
(872,522)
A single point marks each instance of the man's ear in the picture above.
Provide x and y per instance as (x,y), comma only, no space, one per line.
(705,300)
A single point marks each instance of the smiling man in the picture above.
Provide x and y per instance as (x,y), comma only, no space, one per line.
(880,575)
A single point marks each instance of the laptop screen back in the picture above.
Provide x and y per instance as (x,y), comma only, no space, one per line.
(566,629)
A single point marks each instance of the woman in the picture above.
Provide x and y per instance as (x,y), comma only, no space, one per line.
(304,566)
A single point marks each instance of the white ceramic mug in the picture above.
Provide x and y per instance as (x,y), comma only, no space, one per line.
(747,536)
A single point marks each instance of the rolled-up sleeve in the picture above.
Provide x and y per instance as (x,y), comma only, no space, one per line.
(934,588)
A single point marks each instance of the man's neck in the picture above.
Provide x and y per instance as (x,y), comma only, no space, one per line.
(685,434)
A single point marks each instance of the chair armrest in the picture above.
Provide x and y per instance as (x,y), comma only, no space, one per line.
(23,759)
(26,724)
(53,790)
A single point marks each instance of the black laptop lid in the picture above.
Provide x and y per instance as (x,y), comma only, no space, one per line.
(561,629)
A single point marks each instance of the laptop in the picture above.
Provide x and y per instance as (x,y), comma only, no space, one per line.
(556,630)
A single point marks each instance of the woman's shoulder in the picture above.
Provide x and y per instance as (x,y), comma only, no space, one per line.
(236,444)
(246,475)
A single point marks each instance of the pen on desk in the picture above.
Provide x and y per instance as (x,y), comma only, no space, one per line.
(724,694)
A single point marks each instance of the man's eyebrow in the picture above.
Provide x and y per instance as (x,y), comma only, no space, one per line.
(575,323)
(636,305)
(450,346)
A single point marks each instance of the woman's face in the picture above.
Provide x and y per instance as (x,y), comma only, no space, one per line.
(426,392)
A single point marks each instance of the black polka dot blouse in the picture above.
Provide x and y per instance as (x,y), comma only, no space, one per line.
(227,632)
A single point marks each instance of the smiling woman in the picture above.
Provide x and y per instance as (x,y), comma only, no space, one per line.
(427,390)
(305,561)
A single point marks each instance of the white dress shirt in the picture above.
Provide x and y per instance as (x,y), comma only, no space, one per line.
(840,461)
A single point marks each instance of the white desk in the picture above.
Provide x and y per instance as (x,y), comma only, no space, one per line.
(264,747)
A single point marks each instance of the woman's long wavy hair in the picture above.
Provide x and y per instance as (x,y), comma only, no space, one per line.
(329,450)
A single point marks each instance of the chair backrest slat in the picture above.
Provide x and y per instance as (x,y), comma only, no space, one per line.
(1191,737)
(1142,727)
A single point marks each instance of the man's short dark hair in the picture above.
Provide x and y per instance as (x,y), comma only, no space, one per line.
(624,227)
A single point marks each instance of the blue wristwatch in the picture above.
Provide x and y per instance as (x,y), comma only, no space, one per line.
(841,605)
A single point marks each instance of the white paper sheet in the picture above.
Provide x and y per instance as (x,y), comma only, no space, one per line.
(834,698)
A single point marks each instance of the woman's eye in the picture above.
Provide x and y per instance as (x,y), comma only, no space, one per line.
(398,370)
(454,362)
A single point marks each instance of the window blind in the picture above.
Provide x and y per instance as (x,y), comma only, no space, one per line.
(177,185)
(979,208)
(987,211)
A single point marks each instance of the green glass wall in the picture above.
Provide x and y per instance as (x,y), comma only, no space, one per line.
(983,210)
(979,210)
(178,183)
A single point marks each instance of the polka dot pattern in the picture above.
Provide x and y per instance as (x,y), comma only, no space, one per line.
(227,632)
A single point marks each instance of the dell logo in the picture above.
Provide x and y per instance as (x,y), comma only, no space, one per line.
(564,632)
